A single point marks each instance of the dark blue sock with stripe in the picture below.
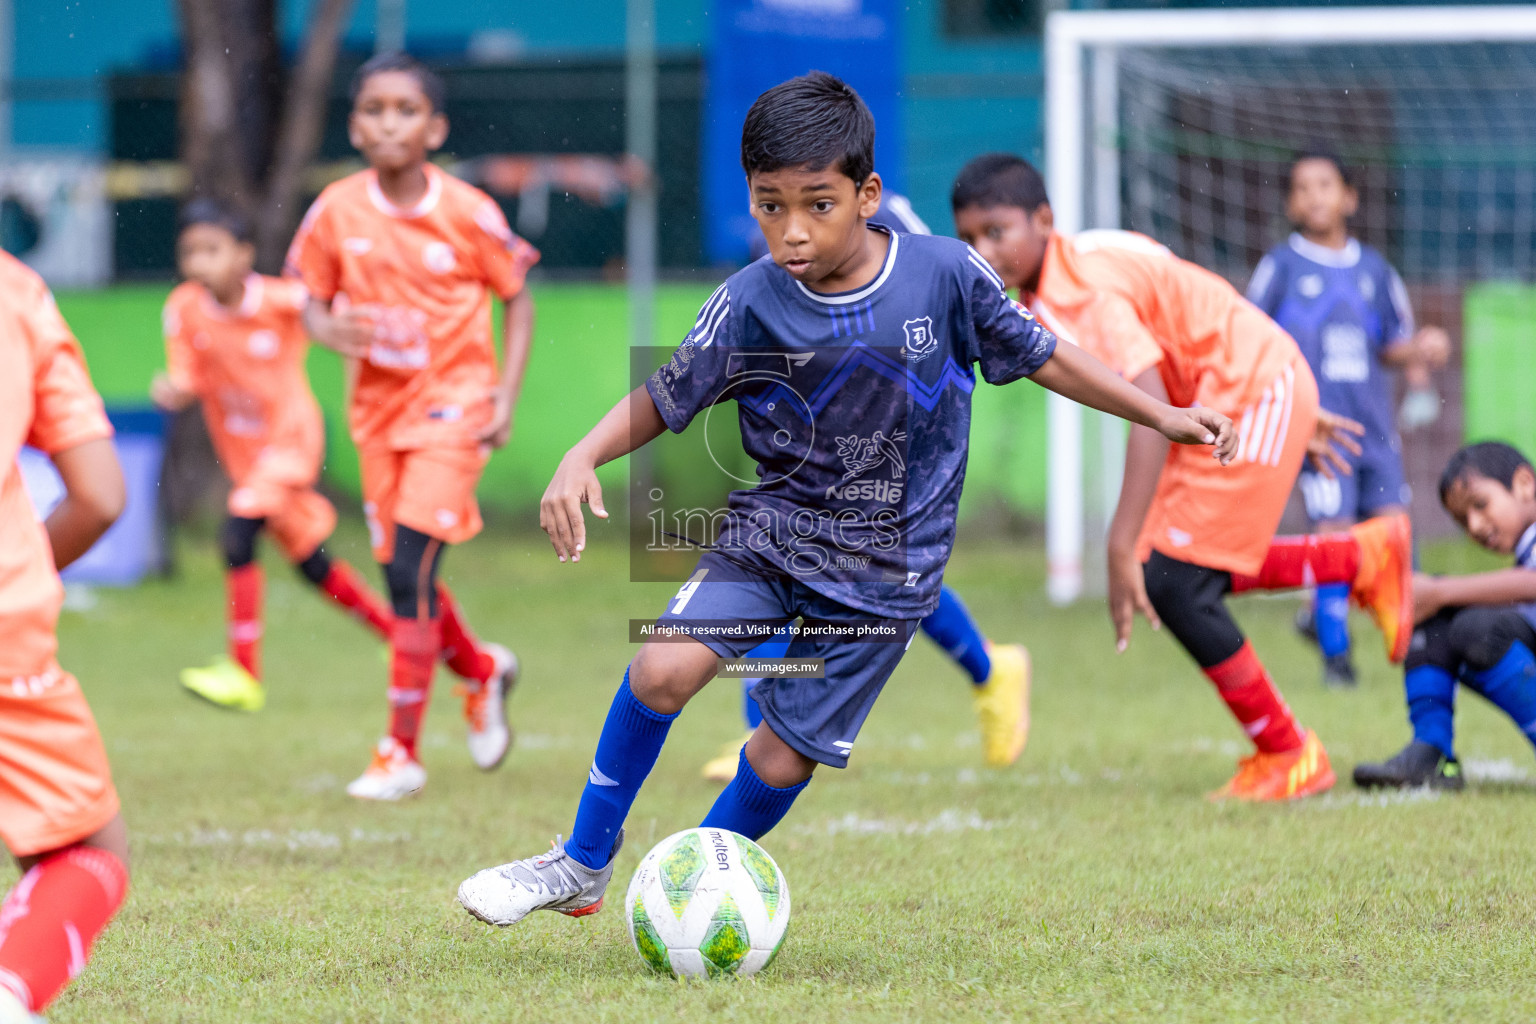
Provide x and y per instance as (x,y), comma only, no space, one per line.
(1330,616)
(1511,687)
(626,752)
(1431,692)
(749,805)
(952,628)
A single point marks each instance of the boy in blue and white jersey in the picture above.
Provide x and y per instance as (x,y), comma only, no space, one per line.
(1478,630)
(1348,310)
(999,673)
(851,358)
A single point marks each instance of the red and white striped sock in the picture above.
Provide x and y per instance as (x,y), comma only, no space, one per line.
(462,652)
(244,589)
(414,647)
(50,920)
(1245,687)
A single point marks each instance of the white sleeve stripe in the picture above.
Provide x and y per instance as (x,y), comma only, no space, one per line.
(1399,294)
(1263,274)
(707,310)
(986,268)
(901,208)
(706,337)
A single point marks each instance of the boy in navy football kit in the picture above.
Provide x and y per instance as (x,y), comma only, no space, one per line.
(1479,630)
(1349,312)
(999,673)
(851,357)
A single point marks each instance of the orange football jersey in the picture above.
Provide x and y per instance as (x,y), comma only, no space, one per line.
(1135,305)
(46,401)
(423,277)
(247,368)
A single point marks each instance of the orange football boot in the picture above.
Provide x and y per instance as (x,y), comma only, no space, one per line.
(1384,584)
(1288,775)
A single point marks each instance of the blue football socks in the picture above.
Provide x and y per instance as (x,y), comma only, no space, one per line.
(749,805)
(1431,694)
(775,646)
(1511,687)
(953,629)
(626,751)
(1330,615)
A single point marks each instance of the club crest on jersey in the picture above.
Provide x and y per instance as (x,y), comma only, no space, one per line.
(438,257)
(921,341)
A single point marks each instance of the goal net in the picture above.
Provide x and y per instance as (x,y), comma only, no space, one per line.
(1182,125)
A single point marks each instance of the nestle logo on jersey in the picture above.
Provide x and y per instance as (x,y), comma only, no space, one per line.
(861,455)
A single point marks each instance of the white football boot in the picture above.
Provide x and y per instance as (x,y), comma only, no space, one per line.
(393,775)
(551,881)
(485,710)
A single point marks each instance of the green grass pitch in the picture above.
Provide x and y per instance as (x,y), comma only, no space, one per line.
(1091,882)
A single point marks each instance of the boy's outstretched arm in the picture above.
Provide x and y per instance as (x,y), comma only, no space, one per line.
(1145,453)
(94,495)
(1073,373)
(631,424)
(517,342)
(1501,586)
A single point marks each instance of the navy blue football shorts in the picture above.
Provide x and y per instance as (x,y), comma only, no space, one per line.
(1377,482)
(731,609)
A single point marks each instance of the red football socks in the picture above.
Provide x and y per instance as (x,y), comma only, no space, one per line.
(1303,562)
(461,651)
(49,921)
(1250,694)
(244,586)
(344,586)
(414,648)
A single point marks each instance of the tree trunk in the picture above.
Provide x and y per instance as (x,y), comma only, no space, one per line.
(245,140)
(299,138)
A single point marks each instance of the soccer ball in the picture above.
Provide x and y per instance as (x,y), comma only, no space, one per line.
(707,902)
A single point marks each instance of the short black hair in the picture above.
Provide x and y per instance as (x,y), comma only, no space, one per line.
(397,60)
(998,179)
(1492,459)
(815,121)
(1318,153)
(204,210)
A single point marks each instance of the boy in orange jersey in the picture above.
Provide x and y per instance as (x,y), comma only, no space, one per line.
(400,261)
(235,341)
(58,808)
(1184,535)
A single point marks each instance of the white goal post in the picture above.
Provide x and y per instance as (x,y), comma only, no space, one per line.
(1082,167)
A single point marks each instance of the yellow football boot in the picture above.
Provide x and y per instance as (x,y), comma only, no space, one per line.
(226,684)
(721,768)
(1002,704)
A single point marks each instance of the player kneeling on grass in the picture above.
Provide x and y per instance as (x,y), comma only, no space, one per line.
(1480,629)
(1185,534)
(851,356)
(400,261)
(58,808)
(234,341)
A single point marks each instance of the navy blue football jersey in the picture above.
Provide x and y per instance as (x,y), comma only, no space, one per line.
(1342,307)
(856,408)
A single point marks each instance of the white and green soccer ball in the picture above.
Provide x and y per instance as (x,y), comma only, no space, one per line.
(707,902)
